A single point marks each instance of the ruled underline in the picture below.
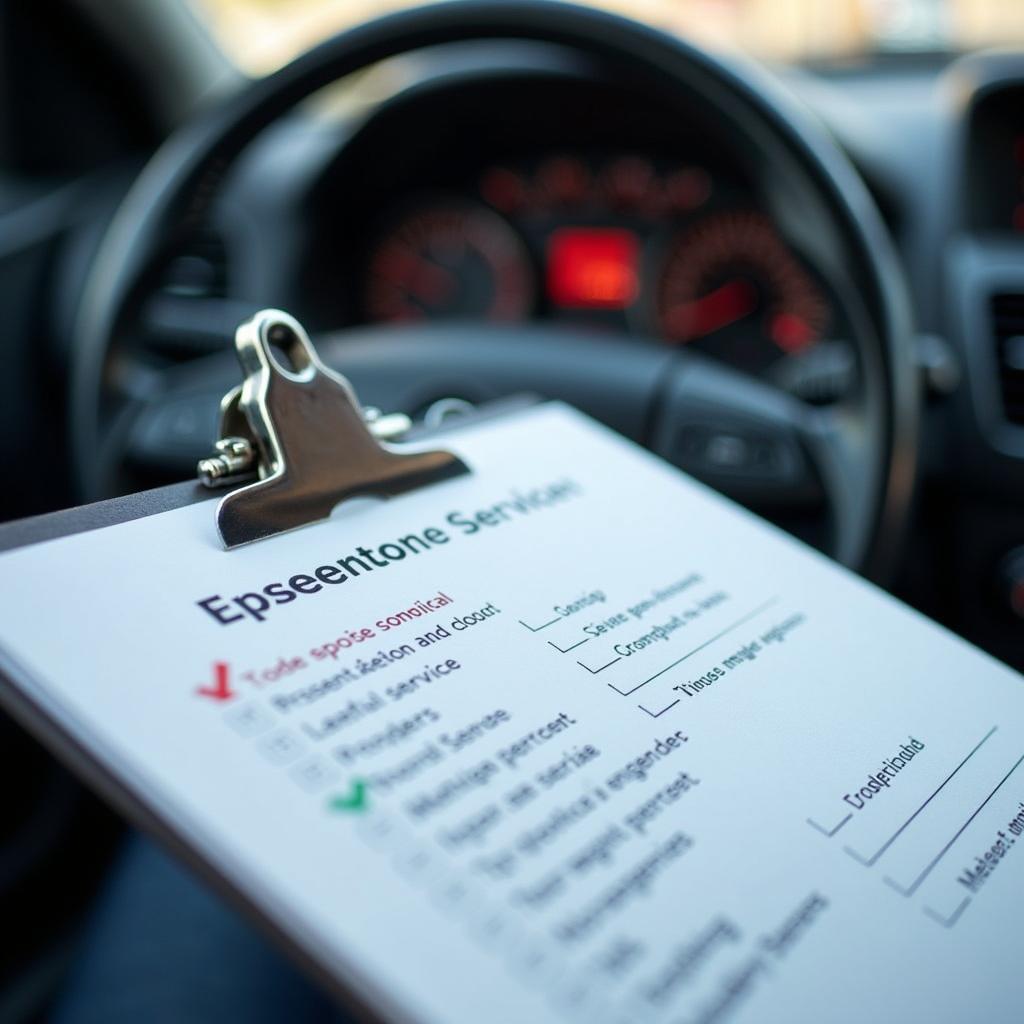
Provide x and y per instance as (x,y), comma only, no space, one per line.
(696,650)
(892,839)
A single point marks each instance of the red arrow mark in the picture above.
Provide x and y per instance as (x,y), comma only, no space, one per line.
(220,689)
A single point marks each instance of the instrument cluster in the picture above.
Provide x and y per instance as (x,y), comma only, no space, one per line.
(621,242)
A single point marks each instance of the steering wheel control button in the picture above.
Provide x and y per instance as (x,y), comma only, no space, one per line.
(728,451)
(736,451)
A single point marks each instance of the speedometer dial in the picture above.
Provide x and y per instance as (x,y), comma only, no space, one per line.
(732,287)
(451,260)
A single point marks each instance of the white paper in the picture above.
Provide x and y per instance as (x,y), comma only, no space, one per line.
(676,767)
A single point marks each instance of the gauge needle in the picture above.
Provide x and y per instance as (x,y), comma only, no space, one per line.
(725,305)
(433,283)
(422,278)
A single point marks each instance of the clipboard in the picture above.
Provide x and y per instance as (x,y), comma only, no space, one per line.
(263,446)
(638,680)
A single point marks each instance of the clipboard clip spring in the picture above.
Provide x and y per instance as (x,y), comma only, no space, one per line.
(296,427)
(234,459)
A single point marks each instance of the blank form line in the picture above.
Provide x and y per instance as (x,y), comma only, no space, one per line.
(566,650)
(537,629)
(658,714)
(948,922)
(892,839)
(690,654)
(829,833)
(594,671)
(942,853)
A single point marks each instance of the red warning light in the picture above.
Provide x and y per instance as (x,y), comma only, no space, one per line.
(593,268)
(791,332)
(505,190)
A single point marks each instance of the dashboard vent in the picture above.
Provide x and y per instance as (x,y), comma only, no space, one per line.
(1008,333)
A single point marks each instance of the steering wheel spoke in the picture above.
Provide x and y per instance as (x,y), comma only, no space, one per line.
(767,449)
(738,435)
(839,445)
(762,447)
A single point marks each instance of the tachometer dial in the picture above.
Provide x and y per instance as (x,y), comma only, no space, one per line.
(732,287)
(454,260)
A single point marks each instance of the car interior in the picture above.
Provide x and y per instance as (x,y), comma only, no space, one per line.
(795,274)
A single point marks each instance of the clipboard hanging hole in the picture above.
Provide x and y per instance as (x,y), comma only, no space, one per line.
(288,351)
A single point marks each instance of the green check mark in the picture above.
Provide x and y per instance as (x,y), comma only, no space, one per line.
(353,802)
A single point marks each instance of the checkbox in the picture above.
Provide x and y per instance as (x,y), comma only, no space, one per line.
(281,747)
(249,720)
(314,774)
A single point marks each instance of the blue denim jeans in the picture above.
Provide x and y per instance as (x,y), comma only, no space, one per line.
(163,949)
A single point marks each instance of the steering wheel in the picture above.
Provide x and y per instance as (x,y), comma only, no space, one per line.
(855,457)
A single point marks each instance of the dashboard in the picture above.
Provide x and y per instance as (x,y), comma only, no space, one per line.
(619,242)
(520,206)
(524,189)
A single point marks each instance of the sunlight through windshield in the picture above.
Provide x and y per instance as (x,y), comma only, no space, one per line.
(261,35)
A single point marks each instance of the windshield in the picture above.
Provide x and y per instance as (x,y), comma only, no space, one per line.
(261,35)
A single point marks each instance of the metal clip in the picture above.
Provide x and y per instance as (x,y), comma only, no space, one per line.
(296,427)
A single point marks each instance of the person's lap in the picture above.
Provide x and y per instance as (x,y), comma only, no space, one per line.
(162,948)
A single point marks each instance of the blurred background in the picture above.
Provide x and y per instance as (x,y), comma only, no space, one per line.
(261,35)
(931,119)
